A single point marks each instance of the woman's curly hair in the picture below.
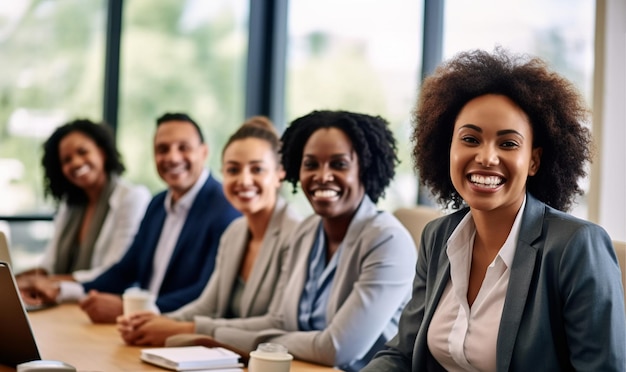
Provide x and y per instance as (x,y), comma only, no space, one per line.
(371,139)
(555,109)
(55,182)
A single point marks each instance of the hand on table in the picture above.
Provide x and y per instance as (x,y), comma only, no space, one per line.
(102,307)
(150,329)
(37,290)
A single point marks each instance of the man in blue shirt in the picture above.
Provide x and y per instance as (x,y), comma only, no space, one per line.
(173,254)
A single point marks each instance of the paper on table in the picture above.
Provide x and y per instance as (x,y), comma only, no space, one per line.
(192,358)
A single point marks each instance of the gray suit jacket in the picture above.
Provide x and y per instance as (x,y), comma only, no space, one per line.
(371,286)
(262,285)
(564,307)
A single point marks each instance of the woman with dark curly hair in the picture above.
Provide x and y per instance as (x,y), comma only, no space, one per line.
(351,266)
(510,282)
(98,212)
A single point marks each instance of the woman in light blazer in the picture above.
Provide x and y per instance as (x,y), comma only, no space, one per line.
(263,282)
(350,266)
(253,250)
(98,214)
(509,282)
(127,204)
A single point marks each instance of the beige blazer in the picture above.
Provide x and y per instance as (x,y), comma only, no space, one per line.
(263,283)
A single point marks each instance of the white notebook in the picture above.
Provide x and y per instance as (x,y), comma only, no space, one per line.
(193,358)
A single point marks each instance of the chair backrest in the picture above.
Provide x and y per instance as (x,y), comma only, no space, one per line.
(415,218)
(620,250)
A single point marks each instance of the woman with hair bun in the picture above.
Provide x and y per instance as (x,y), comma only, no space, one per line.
(350,265)
(253,250)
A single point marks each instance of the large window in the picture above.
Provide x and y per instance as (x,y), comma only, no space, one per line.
(361,56)
(180,56)
(52,55)
(190,56)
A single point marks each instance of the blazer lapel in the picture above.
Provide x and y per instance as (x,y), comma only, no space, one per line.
(441,281)
(298,263)
(263,259)
(359,221)
(361,218)
(151,240)
(519,282)
(433,296)
(230,266)
(197,216)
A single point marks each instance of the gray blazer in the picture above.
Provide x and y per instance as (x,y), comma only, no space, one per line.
(371,286)
(262,285)
(564,307)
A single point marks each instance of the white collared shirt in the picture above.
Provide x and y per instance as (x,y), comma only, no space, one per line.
(173,225)
(461,338)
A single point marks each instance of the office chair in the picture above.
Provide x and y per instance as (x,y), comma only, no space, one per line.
(415,219)
(620,250)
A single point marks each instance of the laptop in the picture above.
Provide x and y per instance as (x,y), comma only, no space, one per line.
(5,255)
(17,342)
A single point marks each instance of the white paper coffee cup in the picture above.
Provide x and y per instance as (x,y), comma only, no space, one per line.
(136,299)
(270,357)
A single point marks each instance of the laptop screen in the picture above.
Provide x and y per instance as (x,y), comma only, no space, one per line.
(17,343)
(5,255)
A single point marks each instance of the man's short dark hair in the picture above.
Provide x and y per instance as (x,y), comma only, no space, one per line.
(179,116)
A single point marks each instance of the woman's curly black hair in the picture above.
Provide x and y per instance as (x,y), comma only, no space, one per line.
(371,139)
(555,109)
(55,182)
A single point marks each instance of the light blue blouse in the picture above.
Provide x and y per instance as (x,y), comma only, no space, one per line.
(316,291)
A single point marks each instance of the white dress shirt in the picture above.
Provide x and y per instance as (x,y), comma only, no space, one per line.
(461,338)
(176,215)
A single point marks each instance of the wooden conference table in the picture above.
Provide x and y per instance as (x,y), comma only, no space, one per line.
(65,333)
